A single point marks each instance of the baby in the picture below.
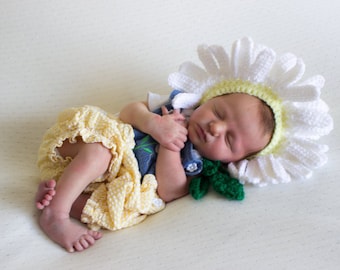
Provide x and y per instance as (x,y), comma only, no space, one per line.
(92,173)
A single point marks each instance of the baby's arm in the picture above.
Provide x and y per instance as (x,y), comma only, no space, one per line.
(166,129)
(171,133)
(171,177)
(172,180)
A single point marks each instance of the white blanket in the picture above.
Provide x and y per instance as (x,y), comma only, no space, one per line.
(59,54)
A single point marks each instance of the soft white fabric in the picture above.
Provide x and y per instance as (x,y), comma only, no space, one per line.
(59,54)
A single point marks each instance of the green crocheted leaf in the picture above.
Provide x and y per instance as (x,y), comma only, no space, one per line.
(229,187)
(198,187)
(210,167)
(215,174)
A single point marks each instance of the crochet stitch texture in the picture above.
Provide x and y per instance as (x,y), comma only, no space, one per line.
(214,174)
(118,199)
(301,116)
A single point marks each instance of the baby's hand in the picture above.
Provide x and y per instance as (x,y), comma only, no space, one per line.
(171,131)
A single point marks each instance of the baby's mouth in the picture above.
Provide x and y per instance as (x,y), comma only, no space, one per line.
(201,133)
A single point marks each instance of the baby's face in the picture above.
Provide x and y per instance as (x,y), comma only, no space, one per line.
(228,128)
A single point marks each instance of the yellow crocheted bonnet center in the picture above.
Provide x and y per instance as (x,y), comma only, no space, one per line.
(260,91)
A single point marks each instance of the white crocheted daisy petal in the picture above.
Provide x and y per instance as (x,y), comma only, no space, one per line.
(241,57)
(222,59)
(262,167)
(295,169)
(318,81)
(238,169)
(286,62)
(185,100)
(183,82)
(290,77)
(282,64)
(309,157)
(280,175)
(207,58)
(313,146)
(262,65)
(251,172)
(308,120)
(193,71)
(318,105)
(260,171)
(241,170)
(301,93)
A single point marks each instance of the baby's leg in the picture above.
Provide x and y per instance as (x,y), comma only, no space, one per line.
(89,162)
(45,193)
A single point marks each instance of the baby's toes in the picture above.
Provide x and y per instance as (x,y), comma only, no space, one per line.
(51,193)
(95,234)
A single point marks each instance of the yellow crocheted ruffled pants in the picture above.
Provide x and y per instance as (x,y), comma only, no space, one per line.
(119,199)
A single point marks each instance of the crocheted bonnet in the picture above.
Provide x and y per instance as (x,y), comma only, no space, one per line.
(301,117)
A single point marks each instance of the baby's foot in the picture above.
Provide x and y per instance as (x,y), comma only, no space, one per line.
(45,193)
(72,236)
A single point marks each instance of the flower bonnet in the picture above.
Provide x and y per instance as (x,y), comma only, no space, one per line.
(301,117)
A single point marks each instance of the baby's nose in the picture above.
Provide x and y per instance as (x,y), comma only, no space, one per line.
(217,128)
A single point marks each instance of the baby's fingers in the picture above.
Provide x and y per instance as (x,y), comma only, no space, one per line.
(176,146)
(164,110)
(178,115)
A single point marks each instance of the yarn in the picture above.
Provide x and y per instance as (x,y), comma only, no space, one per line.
(216,175)
(301,116)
